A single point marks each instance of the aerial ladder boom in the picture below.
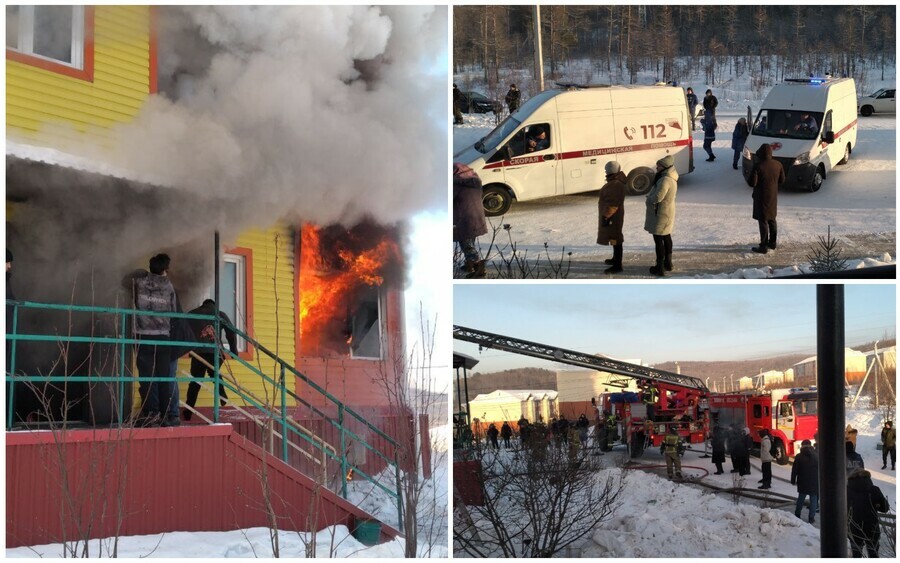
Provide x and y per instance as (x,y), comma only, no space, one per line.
(571,357)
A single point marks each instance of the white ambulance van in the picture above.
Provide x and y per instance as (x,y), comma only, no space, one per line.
(559,141)
(810,124)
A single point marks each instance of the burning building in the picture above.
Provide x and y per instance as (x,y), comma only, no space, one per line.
(133,130)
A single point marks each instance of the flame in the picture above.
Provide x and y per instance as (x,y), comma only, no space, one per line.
(330,281)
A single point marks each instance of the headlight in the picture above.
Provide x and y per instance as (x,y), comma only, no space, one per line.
(802,159)
(746,153)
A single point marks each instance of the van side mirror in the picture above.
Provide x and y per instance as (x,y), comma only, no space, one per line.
(828,137)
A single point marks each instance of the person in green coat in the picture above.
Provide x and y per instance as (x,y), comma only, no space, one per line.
(888,445)
(660,219)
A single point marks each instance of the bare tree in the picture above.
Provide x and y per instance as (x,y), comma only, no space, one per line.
(536,501)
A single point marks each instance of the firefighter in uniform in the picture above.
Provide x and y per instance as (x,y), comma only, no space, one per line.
(671,446)
(611,434)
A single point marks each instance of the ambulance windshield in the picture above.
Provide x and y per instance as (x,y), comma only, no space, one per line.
(495,137)
(787,124)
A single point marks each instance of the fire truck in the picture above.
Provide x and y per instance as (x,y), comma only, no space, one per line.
(664,399)
(790,416)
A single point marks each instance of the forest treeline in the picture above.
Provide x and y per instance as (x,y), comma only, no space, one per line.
(769,41)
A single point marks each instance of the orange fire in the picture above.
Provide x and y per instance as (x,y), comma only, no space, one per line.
(334,270)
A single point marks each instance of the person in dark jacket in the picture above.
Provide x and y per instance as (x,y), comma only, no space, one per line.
(745,447)
(888,445)
(492,433)
(738,138)
(468,217)
(457,106)
(766,176)
(718,449)
(506,434)
(205,332)
(805,474)
(854,460)
(864,502)
(692,106)
(709,135)
(611,207)
(513,95)
(583,424)
(734,443)
(710,103)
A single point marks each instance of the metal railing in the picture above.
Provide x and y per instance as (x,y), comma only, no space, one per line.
(277,413)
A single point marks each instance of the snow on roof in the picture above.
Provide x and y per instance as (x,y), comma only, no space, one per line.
(517,395)
(847,352)
(55,157)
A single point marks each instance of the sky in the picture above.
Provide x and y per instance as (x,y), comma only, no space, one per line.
(662,322)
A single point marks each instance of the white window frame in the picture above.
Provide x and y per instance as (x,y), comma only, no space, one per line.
(240,298)
(26,37)
(380,302)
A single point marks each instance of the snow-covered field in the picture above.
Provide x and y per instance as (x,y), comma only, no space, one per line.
(334,541)
(661,518)
(713,209)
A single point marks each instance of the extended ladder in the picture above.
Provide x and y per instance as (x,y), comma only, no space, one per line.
(571,357)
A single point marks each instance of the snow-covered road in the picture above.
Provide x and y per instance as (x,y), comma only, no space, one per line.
(714,204)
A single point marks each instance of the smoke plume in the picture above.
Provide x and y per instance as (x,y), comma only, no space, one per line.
(291,114)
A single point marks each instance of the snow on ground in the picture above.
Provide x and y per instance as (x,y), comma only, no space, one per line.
(334,541)
(714,206)
(658,517)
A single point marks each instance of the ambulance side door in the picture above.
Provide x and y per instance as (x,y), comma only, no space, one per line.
(535,167)
(586,139)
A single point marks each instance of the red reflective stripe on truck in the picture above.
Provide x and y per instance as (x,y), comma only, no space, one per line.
(591,152)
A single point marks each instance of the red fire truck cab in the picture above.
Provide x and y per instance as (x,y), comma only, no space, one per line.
(790,416)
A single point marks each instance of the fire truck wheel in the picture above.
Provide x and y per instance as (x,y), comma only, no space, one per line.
(781,457)
(637,444)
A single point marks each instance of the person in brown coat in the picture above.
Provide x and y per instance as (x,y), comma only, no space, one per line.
(611,208)
(765,178)
(468,217)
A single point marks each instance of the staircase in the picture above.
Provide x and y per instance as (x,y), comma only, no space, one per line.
(319,451)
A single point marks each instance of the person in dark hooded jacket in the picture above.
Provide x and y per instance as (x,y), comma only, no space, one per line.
(205,331)
(766,176)
(468,217)
(864,502)
(738,138)
(513,95)
(805,474)
(612,214)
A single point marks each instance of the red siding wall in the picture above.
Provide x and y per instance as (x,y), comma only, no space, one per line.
(200,478)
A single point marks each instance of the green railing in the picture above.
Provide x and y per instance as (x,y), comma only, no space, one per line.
(279,415)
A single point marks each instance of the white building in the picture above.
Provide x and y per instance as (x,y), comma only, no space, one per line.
(511,405)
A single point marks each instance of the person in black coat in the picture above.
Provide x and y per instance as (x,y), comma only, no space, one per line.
(492,433)
(513,95)
(506,434)
(805,474)
(710,103)
(692,106)
(718,449)
(457,106)
(746,446)
(734,441)
(709,135)
(864,502)
(204,331)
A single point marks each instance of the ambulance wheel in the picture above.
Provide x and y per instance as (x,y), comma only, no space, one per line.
(817,179)
(846,158)
(640,181)
(866,111)
(781,457)
(496,200)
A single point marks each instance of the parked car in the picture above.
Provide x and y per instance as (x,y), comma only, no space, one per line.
(882,101)
(475,102)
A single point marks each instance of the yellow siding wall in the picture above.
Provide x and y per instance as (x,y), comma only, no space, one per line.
(273,272)
(36,97)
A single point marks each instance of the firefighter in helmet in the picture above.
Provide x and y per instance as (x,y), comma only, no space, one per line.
(672,449)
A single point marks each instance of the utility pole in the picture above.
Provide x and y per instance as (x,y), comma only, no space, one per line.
(830,378)
(538,50)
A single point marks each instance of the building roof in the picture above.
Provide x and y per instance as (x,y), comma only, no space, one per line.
(517,395)
(464,361)
(56,157)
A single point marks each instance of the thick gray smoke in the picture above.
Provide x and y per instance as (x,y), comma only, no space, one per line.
(265,114)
